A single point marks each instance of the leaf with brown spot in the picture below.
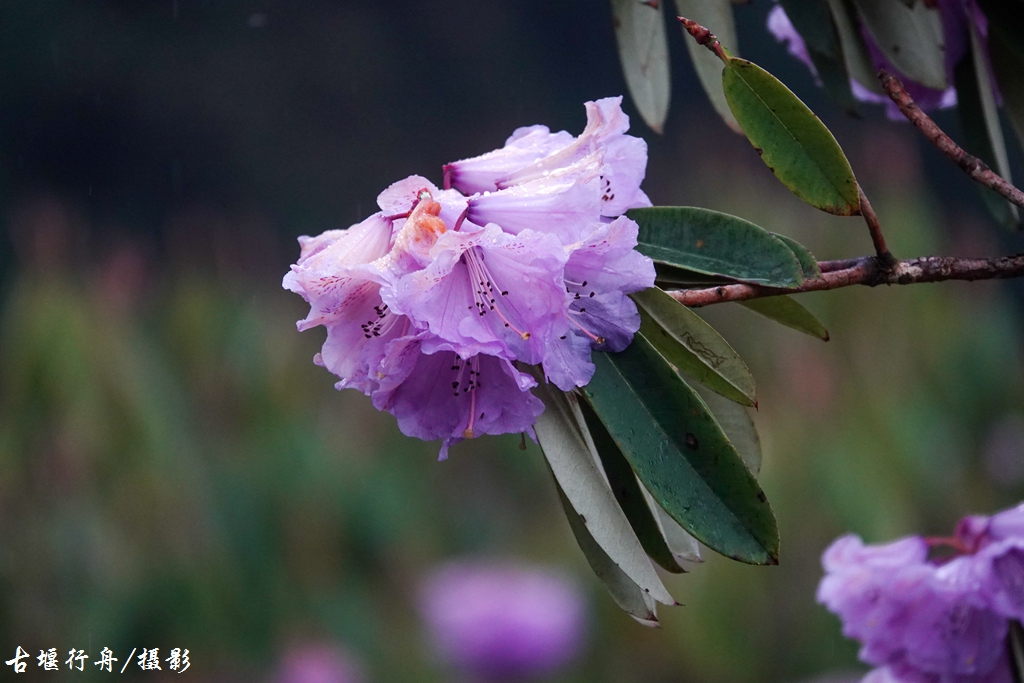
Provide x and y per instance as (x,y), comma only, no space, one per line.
(680,453)
(793,142)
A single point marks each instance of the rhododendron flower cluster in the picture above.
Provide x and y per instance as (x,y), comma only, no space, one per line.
(523,257)
(927,619)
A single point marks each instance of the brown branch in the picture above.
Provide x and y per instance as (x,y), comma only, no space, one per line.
(703,36)
(885,257)
(974,167)
(866,271)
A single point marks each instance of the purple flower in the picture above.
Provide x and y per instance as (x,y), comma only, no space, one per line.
(331,275)
(318,663)
(602,269)
(954,20)
(487,291)
(926,620)
(503,621)
(534,154)
(430,302)
(436,394)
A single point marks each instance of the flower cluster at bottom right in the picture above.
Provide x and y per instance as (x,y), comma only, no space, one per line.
(923,616)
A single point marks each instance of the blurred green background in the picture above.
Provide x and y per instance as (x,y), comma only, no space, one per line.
(174,470)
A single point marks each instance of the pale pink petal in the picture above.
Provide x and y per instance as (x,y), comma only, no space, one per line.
(562,207)
(525,146)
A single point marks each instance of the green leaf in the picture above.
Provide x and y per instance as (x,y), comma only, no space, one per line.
(794,144)
(643,50)
(787,311)
(979,119)
(681,455)
(808,264)
(715,243)
(738,426)
(1015,643)
(685,278)
(626,594)
(629,493)
(855,51)
(684,547)
(812,19)
(910,38)
(1008,64)
(693,346)
(561,432)
(717,16)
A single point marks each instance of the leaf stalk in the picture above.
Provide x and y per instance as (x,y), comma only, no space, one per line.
(704,37)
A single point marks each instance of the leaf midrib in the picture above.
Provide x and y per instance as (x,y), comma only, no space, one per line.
(803,149)
(703,482)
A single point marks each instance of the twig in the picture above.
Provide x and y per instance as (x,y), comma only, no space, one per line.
(703,36)
(866,271)
(974,167)
(885,257)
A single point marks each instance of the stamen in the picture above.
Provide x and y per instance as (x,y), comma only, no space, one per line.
(460,365)
(474,385)
(380,325)
(596,339)
(482,281)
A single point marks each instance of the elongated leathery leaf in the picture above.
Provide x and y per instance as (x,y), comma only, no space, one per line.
(624,592)
(629,493)
(576,470)
(813,21)
(716,15)
(808,264)
(979,120)
(910,38)
(680,453)
(715,243)
(684,547)
(640,32)
(1015,643)
(1008,65)
(738,426)
(789,312)
(684,278)
(855,50)
(791,140)
(693,346)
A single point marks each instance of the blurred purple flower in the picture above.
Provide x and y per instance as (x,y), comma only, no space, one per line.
(921,619)
(503,621)
(318,663)
(955,15)
(429,302)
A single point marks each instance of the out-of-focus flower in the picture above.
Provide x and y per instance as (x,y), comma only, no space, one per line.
(955,16)
(318,663)
(429,302)
(922,619)
(503,621)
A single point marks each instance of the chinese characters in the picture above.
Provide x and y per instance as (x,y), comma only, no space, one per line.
(148,660)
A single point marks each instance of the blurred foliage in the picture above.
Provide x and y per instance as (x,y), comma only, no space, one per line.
(177,473)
